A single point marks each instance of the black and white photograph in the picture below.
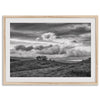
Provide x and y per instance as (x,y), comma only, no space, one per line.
(51,49)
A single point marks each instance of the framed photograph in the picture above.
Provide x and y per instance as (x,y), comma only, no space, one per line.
(50,50)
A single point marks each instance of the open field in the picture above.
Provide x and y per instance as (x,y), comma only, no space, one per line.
(29,67)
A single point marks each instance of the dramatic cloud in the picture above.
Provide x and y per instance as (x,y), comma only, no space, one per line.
(22,53)
(49,36)
(41,47)
(50,39)
(23,48)
(51,50)
(67,46)
(76,51)
(79,51)
(35,30)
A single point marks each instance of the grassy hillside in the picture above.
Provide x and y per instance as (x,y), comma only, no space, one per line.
(29,67)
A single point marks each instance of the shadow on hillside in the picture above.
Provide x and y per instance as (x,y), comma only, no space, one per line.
(43,67)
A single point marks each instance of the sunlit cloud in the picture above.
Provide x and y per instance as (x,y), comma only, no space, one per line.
(49,36)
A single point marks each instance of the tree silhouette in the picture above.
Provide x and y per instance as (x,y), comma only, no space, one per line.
(41,58)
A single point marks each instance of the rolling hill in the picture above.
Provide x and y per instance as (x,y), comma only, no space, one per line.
(29,67)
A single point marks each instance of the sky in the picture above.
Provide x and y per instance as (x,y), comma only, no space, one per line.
(54,40)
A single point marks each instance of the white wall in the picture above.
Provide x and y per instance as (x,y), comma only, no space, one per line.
(48,7)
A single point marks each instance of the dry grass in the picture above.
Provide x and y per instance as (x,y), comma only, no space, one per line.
(34,68)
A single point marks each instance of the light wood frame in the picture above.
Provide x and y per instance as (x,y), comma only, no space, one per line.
(50,83)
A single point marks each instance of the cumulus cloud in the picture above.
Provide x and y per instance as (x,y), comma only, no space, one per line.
(68,51)
(60,46)
(22,53)
(50,36)
(79,51)
(41,47)
(49,44)
(50,50)
(23,48)
(52,39)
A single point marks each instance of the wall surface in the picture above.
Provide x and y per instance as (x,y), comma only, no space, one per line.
(48,7)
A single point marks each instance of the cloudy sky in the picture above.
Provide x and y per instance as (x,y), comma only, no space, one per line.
(55,40)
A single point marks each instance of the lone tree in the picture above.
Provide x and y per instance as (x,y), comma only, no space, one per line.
(41,58)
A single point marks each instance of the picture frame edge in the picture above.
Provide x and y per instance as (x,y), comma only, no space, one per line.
(48,83)
(50,16)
